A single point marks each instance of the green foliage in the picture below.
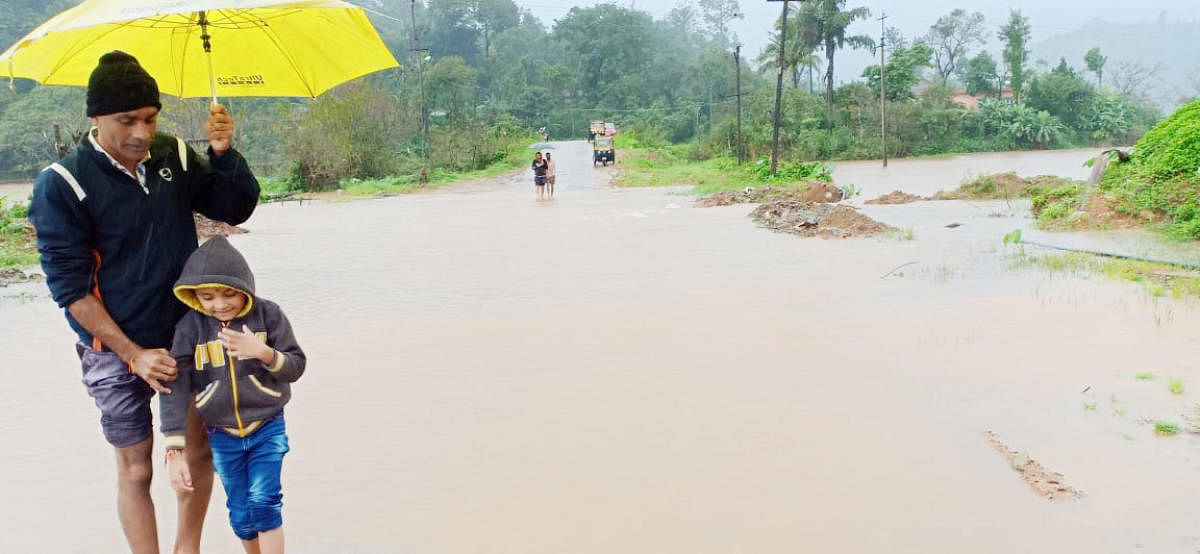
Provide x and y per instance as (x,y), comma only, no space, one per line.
(1013,237)
(17,248)
(1015,35)
(1166,427)
(1051,204)
(791,172)
(1172,149)
(1175,386)
(27,129)
(903,70)
(1064,95)
(349,132)
(982,74)
(1095,63)
(1161,176)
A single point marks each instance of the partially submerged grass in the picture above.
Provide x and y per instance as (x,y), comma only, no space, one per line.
(1175,386)
(1145,376)
(1156,279)
(1166,427)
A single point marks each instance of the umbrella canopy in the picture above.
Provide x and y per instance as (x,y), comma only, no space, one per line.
(258,47)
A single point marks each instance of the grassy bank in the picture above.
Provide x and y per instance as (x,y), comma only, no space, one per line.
(645,164)
(18,247)
(277,188)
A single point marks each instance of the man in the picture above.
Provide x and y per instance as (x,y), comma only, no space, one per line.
(114,228)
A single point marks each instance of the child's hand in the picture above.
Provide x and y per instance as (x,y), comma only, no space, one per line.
(181,476)
(243,344)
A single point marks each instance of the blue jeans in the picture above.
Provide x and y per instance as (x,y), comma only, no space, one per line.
(249,469)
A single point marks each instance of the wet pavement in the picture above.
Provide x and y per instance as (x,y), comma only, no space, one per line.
(617,371)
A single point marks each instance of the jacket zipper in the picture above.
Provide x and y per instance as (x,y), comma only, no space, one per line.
(233,381)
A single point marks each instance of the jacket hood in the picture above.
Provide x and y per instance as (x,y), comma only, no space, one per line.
(215,263)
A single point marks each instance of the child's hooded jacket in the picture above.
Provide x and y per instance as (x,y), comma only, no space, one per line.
(239,395)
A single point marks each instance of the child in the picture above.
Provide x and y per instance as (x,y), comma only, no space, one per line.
(236,356)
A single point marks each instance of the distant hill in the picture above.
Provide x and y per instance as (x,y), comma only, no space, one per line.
(1171,44)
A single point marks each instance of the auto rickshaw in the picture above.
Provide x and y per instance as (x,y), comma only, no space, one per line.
(602,150)
(595,129)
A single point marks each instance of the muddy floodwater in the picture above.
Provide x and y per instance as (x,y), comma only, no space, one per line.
(616,371)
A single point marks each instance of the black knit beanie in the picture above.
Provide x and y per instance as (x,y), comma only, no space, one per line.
(119,84)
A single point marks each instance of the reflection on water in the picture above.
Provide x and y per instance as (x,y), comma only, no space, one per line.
(615,371)
(926,176)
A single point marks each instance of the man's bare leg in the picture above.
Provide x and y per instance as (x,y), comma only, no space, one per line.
(194,505)
(135,508)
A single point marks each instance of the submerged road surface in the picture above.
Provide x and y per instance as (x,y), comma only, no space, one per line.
(615,371)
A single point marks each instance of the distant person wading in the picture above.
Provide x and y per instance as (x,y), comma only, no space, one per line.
(540,167)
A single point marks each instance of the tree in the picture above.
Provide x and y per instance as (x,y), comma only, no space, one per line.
(491,17)
(903,71)
(452,32)
(1095,64)
(951,37)
(826,22)
(604,43)
(1063,94)
(1015,35)
(717,14)
(981,75)
(1130,78)
(800,53)
(450,81)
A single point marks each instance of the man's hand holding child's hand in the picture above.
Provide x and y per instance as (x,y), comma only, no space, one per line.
(243,344)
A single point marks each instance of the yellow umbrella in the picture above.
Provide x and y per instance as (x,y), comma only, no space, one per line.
(199,48)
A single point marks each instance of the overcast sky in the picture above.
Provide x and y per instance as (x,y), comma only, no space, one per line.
(913,17)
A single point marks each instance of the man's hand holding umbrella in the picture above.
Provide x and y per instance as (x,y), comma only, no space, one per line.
(219,129)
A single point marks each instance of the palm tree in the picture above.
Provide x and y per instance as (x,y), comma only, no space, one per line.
(826,22)
(800,54)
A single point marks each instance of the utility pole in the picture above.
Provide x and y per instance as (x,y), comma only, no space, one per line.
(417,51)
(737,60)
(883,85)
(779,90)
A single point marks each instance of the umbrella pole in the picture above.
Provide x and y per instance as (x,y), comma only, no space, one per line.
(204,36)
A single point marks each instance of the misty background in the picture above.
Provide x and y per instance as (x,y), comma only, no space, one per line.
(1166,33)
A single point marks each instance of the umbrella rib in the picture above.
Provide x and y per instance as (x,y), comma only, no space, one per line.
(282,51)
(78,47)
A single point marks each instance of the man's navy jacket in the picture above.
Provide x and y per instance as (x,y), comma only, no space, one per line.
(100,232)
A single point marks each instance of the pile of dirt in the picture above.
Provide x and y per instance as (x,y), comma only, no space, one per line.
(1043,481)
(897,197)
(816,191)
(1001,186)
(13,276)
(207,228)
(811,219)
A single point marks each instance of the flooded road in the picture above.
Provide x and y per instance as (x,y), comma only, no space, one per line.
(617,371)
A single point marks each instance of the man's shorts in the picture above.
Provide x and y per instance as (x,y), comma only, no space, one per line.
(123,398)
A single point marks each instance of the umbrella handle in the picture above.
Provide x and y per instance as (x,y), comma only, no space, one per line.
(204,36)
